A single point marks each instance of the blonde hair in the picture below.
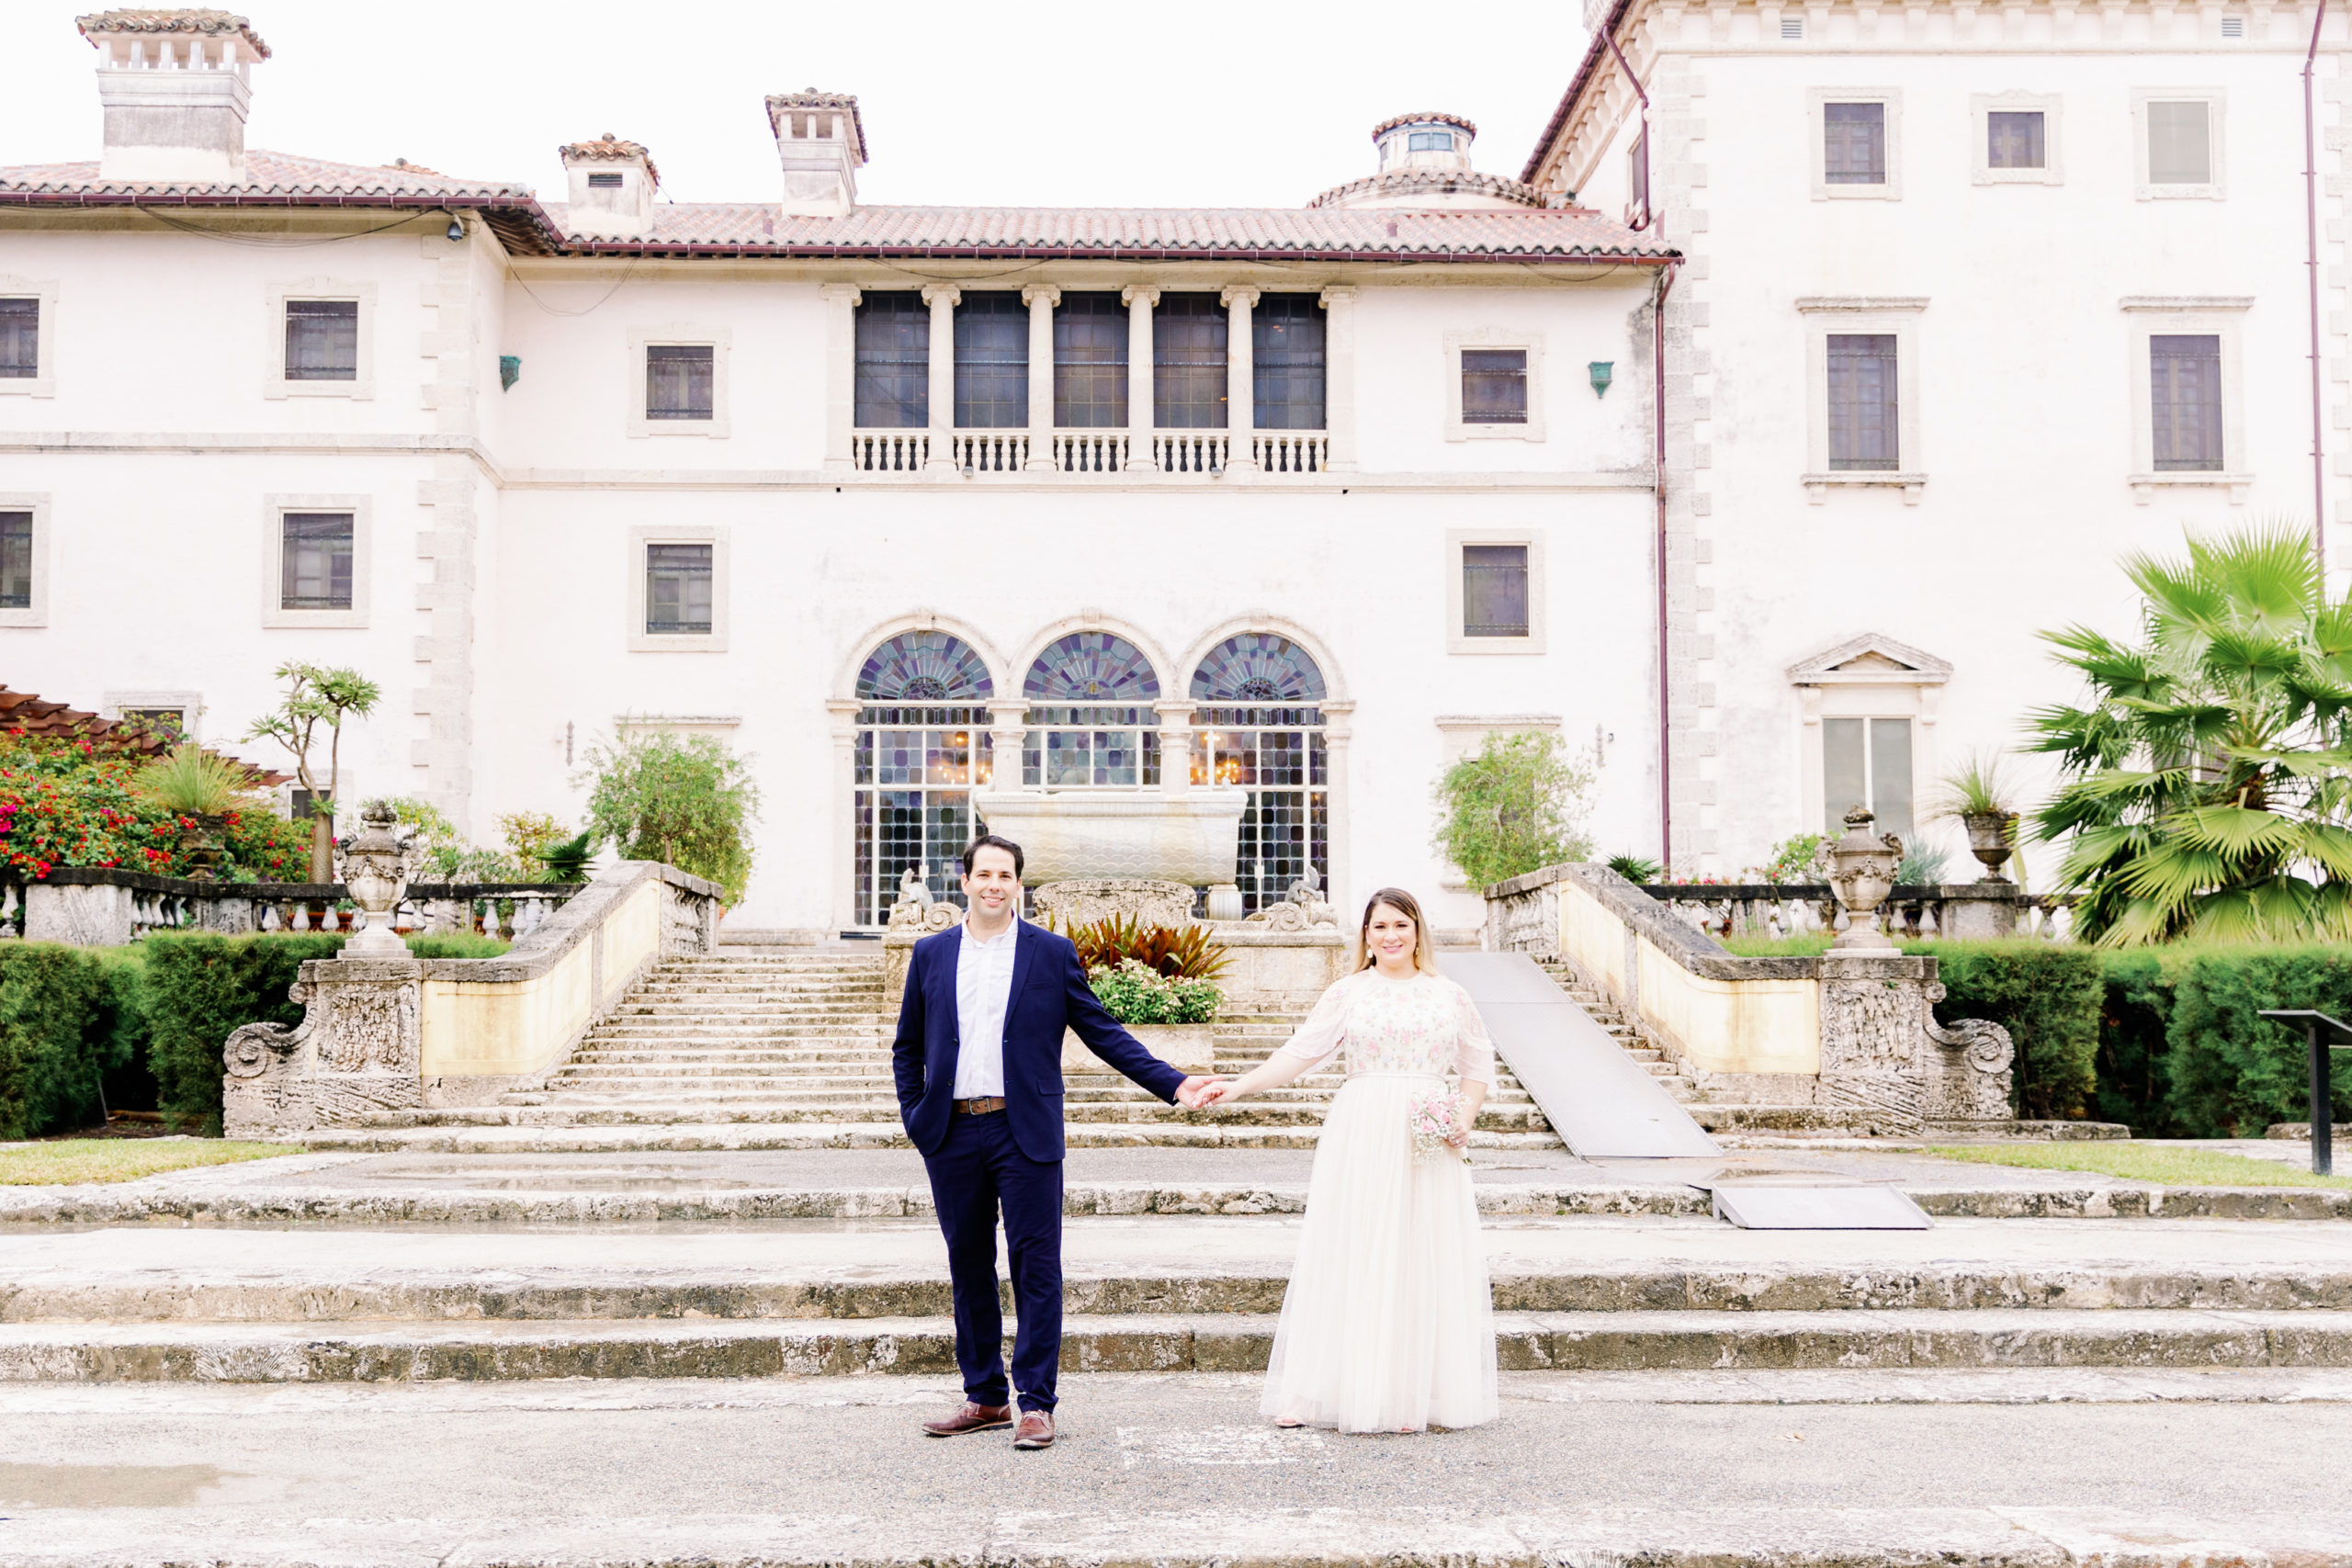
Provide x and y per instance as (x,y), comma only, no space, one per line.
(1405,904)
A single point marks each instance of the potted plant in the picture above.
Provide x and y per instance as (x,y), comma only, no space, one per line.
(1160,981)
(1978,797)
(199,789)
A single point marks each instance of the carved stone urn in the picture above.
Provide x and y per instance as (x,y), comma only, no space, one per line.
(1861,872)
(1988,840)
(200,845)
(374,865)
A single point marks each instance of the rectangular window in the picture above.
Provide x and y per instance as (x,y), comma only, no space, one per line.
(15,560)
(1867,761)
(1494,591)
(1494,386)
(992,362)
(2185,390)
(677,589)
(678,381)
(1853,150)
(1637,173)
(169,723)
(20,338)
(1865,424)
(2180,143)
(2013,139)
(315,560)
(893,362)
(1089,361)
(1188,362)
(323,340)
(1286,360)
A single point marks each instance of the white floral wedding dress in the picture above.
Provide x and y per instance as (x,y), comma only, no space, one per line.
(1388,1323)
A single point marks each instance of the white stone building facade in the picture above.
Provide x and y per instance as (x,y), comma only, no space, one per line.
(1973,300)
(1310,497)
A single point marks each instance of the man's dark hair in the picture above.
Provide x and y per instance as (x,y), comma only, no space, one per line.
(992,841)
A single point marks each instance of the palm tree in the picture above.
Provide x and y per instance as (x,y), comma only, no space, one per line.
(2209,777)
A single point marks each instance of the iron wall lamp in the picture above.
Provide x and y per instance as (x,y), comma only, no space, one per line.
(1603,372)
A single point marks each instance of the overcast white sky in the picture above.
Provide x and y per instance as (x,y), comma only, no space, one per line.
(1211,103)
(1214,102)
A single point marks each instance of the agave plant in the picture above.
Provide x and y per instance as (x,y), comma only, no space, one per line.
(2207,776)
(192,781)
(1180,952)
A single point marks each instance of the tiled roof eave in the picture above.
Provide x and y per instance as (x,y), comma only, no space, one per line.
(514,218)
(681,248)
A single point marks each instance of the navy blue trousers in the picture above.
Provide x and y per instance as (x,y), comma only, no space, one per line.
(978,1170)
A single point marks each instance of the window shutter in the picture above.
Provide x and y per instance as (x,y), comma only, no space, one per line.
(1494,591)
(1865,424)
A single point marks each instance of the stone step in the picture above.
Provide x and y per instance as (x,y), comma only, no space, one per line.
(645,1108)
(1237,1342)
(255,1293)
(657,1129)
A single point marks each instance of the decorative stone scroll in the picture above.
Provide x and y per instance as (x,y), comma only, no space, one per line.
(358,1048)
(1968,1067)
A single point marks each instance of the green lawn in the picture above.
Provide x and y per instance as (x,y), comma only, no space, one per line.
(2149,1162)
(67,1160)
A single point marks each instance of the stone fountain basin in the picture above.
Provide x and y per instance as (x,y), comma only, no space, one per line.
(1193,837)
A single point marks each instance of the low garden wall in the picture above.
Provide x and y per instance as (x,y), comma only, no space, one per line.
(108,906)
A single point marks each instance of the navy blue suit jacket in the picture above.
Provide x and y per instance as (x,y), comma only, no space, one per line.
(1049,994)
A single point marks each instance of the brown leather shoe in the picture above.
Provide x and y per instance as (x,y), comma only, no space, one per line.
(1036,1430)
(971,1417)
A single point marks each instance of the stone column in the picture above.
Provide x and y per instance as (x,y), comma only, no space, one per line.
(942,299)
(845,715)
(1340,376)
(841,373)
(1175,746)
(1041,299)
(1008,728)
(1140,298)
(1336,734)
(1241,383)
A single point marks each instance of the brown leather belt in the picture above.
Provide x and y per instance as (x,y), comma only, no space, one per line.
(988,1106)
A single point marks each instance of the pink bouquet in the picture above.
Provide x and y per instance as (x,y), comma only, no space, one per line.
(1434,1118)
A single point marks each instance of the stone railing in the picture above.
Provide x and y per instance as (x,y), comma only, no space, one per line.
(1137,454)
(1852,1029)
(381,1034)
(106,907)
(1913,911)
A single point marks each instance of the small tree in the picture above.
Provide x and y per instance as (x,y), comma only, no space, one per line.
(1519,804)
(314,696)
(683,799)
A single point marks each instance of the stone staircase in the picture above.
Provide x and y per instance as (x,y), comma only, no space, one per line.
(800,1037)
(1716,1116)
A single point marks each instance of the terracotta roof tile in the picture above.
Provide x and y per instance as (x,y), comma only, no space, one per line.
(608,146)
(1432,117)
(146,19)
(1129,231)
(265,173)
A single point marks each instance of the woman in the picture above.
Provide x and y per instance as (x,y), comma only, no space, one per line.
(1388,1324)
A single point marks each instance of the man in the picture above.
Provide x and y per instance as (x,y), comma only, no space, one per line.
(979,1063)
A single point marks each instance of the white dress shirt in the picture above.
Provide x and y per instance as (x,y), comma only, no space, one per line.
(983,995)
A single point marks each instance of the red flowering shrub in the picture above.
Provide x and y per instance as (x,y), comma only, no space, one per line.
(67,801)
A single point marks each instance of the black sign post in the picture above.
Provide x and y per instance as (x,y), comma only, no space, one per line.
(2325,1033)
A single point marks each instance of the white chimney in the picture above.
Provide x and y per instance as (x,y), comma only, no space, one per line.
(176,90)
(820,142)
(612,184)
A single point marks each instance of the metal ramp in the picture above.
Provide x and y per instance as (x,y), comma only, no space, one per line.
(1605,1103)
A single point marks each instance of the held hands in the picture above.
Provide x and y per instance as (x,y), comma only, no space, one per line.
(1196,1093)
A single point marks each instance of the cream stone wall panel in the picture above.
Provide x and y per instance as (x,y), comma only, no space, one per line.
(524,1028)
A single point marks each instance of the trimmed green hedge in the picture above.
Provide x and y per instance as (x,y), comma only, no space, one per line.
(2165,1039)
(145,1024)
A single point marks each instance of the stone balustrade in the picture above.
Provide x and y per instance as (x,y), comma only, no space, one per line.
(106,907)
(1961,911)
(1853,1031)
(393,1033)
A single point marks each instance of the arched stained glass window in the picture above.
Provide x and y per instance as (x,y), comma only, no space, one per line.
(1256,726)
(922,748)
(1258,667)
(1092,724)
(924,666)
